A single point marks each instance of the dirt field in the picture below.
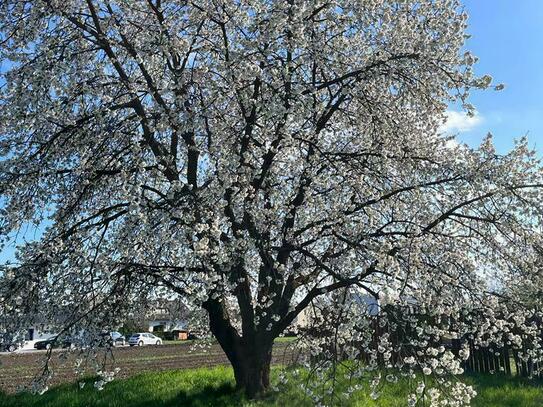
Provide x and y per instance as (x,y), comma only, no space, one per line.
(18,369)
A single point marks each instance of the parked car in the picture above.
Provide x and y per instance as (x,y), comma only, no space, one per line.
(8,347)
(115,338)
(52,342)
(8,343)
(46,343)
(144,338)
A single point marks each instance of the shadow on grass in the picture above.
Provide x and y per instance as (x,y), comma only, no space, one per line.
(224,395)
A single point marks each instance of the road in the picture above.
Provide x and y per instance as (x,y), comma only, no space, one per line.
(19,368)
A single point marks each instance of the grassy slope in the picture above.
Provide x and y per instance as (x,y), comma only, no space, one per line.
(214,387)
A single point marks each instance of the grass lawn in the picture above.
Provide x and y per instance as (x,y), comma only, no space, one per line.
(178,342)
(285,339)
(214,387)
(281,339)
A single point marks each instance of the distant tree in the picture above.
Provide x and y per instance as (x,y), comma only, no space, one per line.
(250,156)
(130,327)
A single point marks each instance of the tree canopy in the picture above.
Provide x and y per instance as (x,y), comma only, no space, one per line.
(252,157)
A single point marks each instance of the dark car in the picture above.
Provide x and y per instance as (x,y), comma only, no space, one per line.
(45,344)
(53,342)
(8,347)
(112,339)
(117,339)
(8,343)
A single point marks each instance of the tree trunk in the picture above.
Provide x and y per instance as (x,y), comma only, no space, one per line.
(252,370)
(250,355)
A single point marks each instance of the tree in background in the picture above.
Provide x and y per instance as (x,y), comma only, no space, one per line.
(253,157)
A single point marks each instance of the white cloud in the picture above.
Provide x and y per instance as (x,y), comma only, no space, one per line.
(459,122)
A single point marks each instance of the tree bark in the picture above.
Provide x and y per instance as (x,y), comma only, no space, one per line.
(250,355)
(252,370)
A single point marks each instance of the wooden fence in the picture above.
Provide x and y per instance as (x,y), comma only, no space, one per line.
(490,359)
(503,360)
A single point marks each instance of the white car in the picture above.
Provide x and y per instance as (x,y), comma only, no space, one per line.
(144,338)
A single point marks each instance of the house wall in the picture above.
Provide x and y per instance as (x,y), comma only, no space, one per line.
(38,332)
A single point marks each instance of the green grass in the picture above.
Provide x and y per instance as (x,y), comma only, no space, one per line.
(503,391)
(285,339)
(178,342)
(215,387)
(281,339)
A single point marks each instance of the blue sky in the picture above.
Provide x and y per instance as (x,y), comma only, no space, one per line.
(507,36)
